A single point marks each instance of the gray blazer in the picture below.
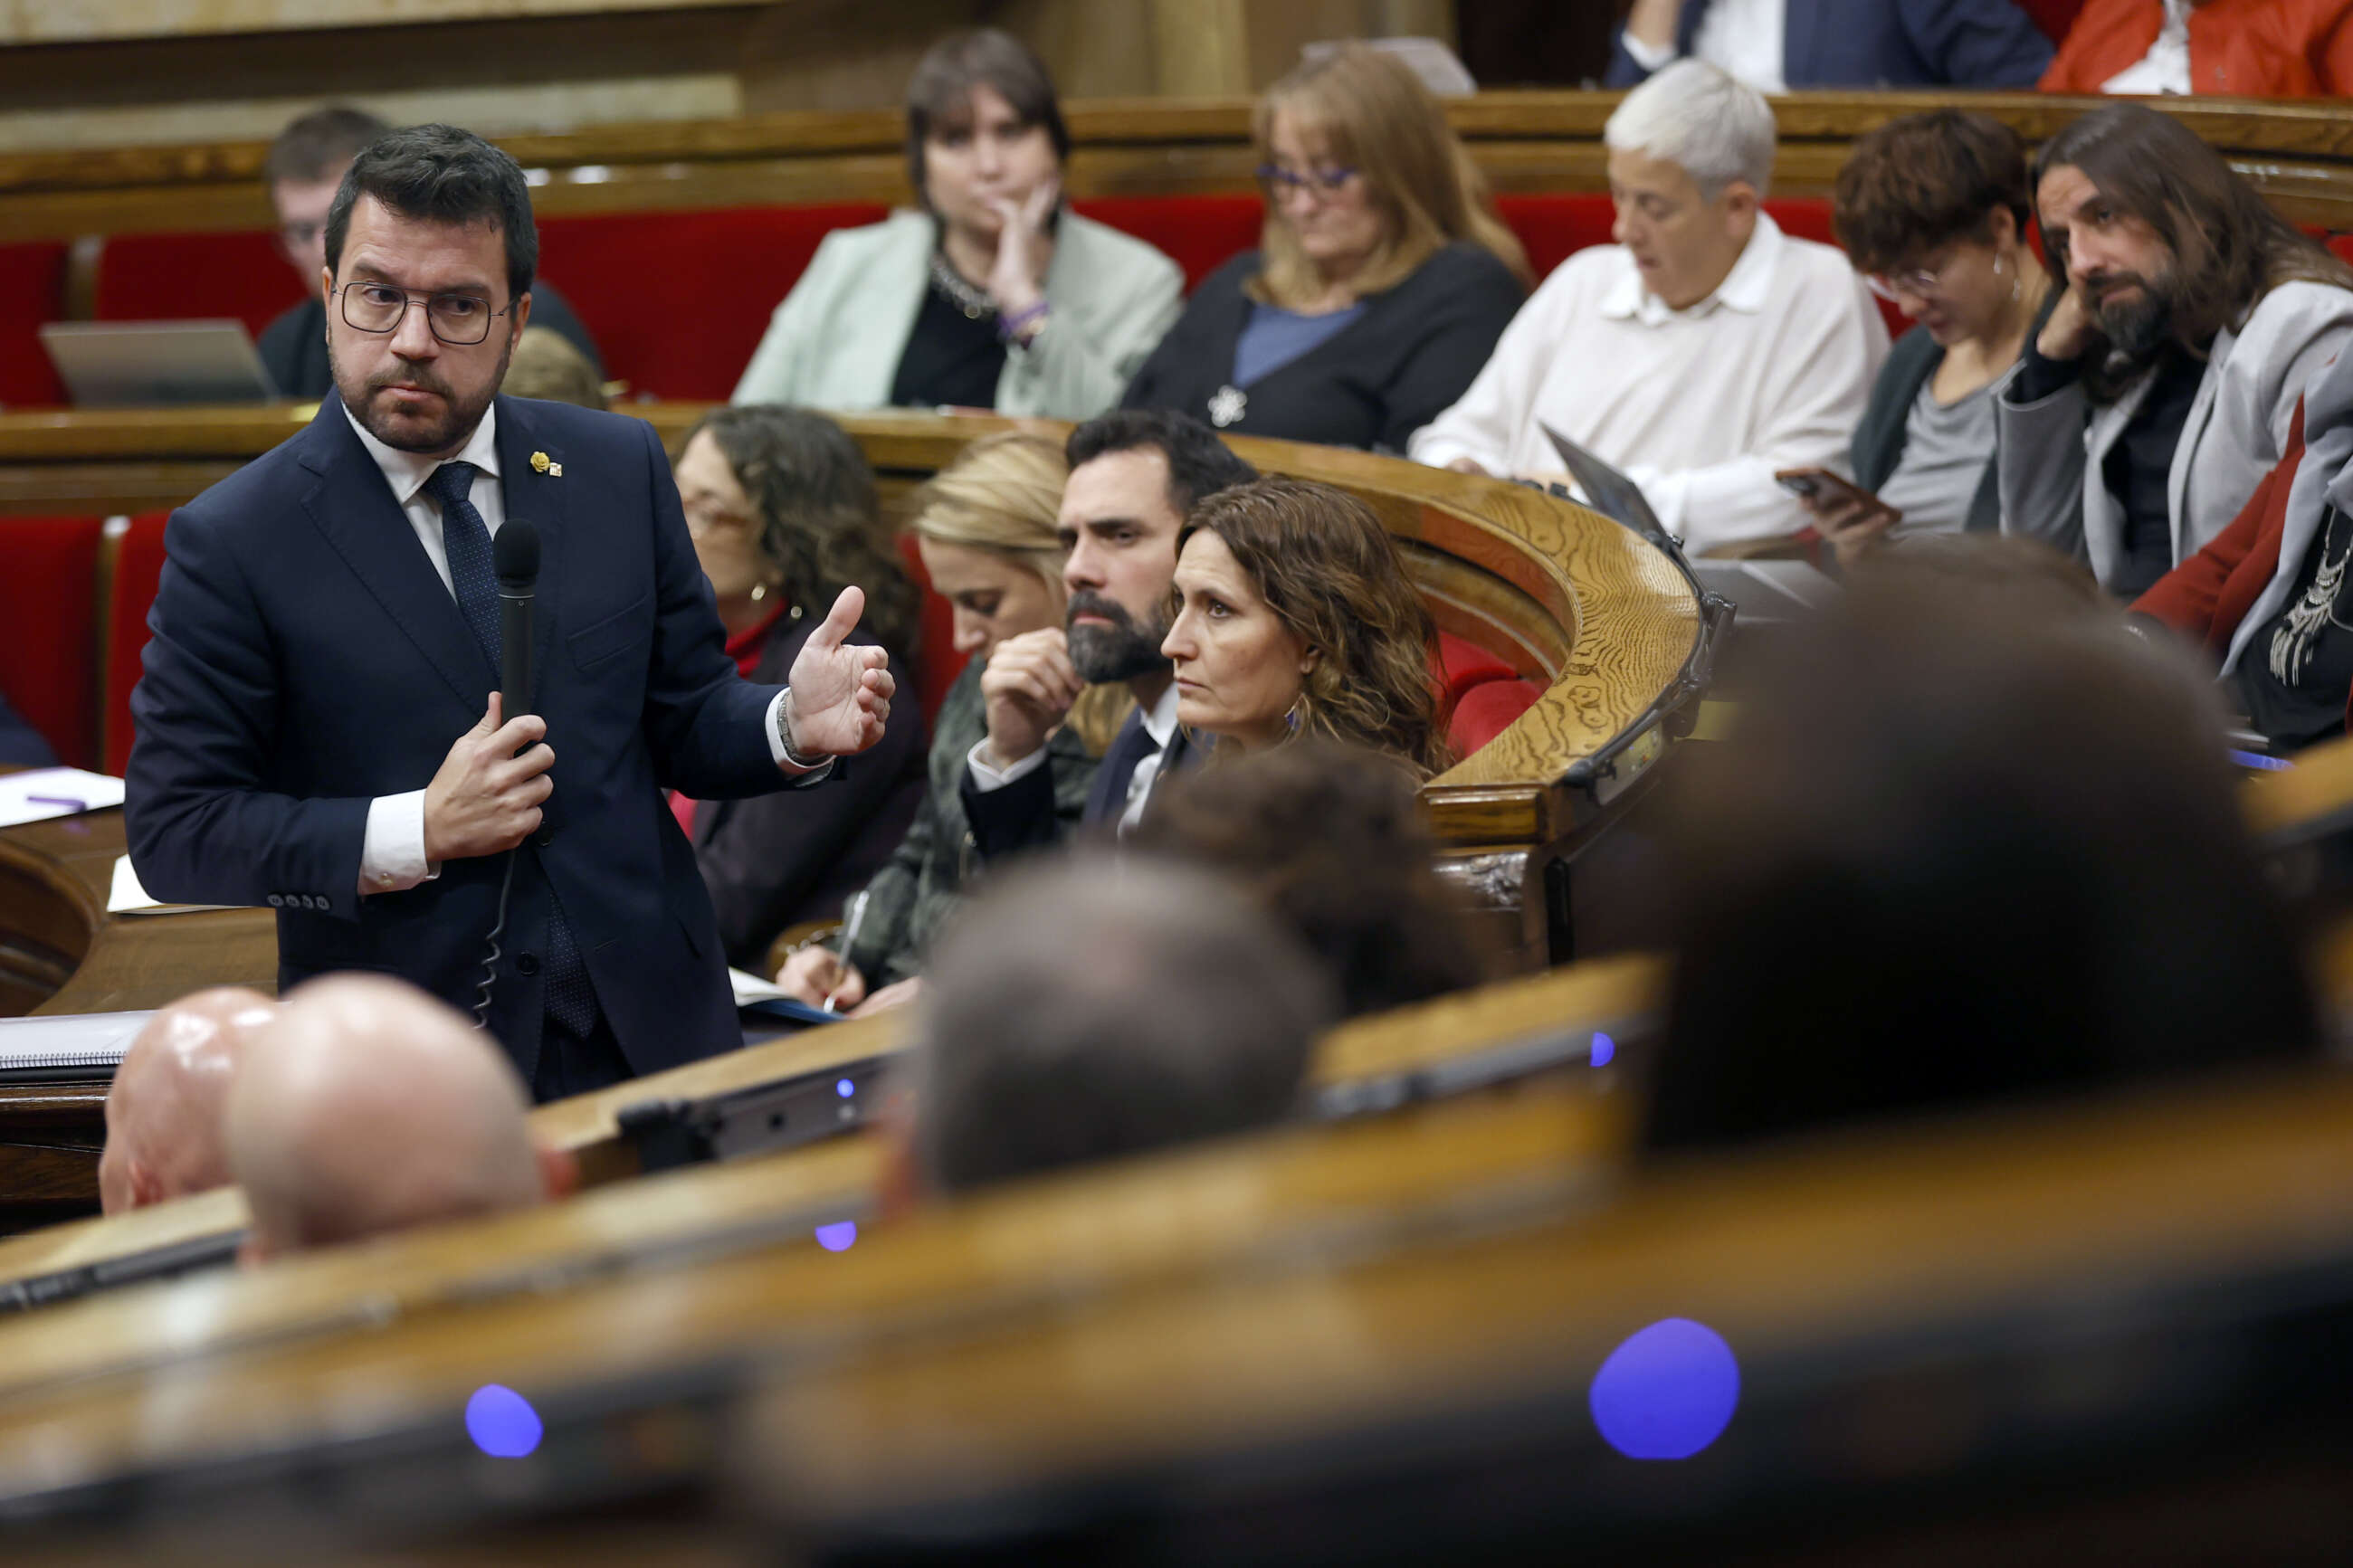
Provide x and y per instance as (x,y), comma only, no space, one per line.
(836,341)
(2050,451)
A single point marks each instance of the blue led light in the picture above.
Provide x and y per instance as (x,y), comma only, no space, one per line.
(1604,1047)
(838,1236)
(502,1422)
(844,1088)
(1667,1391)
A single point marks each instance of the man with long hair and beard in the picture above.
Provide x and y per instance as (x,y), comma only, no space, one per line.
(1135,475)
(2160,391)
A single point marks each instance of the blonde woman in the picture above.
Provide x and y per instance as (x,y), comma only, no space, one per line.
(1383,279)
(986,527)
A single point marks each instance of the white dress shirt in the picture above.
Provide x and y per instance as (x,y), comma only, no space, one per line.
(1698,407)
(1159,722)
(1745,38)
(2166,66)
(391,854)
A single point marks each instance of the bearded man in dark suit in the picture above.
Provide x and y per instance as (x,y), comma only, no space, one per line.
(318,724)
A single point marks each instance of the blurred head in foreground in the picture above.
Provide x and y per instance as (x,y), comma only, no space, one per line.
(1092,1009)
(368,1106)
(1330,839)
(1964,845)
(163,1133)
(549,365)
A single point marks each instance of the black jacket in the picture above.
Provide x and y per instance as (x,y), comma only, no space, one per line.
(294,346)
(1406,359)
(774,861)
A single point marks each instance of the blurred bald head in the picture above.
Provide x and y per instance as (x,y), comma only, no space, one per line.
(163,1133)
(368,1106)
(1099,1008)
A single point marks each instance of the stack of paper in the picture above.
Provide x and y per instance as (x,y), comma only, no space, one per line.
(43,793)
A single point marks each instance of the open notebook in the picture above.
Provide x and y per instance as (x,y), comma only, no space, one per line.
(81,1044)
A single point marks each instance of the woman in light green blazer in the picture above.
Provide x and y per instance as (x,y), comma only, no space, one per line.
(993,295)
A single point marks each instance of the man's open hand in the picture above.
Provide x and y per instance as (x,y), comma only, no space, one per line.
(486,799)
(841,690)
(1027,690)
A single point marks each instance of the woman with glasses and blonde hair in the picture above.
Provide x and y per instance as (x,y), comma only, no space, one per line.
(1294,617)
(986,525)
(1932,208)
(1380,285)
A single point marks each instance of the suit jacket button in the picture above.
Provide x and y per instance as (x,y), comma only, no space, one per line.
(544,837)
(277,900)
(526,965)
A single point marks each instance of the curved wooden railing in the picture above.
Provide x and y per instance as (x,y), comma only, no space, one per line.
(2299,154)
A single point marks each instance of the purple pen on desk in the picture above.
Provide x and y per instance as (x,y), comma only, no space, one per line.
(66,801)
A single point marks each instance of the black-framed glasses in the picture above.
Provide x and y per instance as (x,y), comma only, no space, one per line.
(462,321)
(1323,181)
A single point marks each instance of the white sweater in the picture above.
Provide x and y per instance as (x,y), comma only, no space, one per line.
(1698,407)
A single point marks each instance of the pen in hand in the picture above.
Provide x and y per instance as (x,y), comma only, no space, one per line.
(848,941)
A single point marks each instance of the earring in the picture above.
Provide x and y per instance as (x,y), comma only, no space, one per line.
(1295,716)
(759,592)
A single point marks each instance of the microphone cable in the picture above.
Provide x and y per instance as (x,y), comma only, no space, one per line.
(491,954)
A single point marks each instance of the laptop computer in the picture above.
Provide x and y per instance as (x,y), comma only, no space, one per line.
(157,364)
(1765,591)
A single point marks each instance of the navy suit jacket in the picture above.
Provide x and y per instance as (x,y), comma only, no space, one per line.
(1019,816)
(306,659)
(1886,43)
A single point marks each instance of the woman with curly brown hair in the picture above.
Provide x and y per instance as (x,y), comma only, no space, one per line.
(1294,617)
(783,515)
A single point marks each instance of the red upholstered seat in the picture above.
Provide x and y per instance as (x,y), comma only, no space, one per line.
(677,300)
(1200,233)
(1487,710)
(138,569)
(32,293)
(49,618)
(188,277)
(1462,664)
(2053,16)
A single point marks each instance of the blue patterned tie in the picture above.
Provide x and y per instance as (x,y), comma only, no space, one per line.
(466,539)
(571,998)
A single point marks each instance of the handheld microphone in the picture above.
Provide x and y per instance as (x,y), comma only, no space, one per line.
(514,555)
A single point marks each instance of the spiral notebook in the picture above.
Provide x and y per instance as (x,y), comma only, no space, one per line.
(72,1044)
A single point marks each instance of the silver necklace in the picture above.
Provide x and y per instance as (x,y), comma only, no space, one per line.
(2291,643)
(973,302)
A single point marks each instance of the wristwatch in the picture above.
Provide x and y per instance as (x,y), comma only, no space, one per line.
(785,736)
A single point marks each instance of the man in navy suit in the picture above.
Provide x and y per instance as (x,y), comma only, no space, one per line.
(1776,45)
(1135,475)
(318,727)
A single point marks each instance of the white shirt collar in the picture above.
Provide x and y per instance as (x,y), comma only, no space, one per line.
(1745,288)
(406,472)
(1160,719)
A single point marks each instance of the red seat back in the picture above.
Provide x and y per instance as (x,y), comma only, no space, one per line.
(1200,233)
(677,300)
(2053,16)
(1486,711)
(48,623)
(187,277)
(32,293)
(138,569)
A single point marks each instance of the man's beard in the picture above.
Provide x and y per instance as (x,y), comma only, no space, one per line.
(458,418)
(1120,651)
(2136,328)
